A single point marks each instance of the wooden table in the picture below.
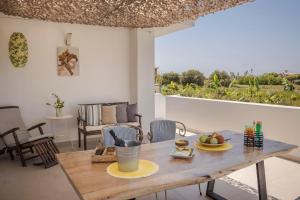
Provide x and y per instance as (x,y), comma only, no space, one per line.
(91,181)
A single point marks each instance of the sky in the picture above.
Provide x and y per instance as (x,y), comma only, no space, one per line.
(263,35)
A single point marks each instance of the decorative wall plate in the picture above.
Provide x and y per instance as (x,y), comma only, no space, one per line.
(18,49)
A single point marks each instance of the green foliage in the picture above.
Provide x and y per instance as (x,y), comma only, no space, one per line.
(215,82)
(270,88)
(253,86)
(192,77)
(265,79)
(58,104)
(244,80)
(158,79)
(223,76)
(270,79)
(232,83)
(260,95)
(287,85)
(170,89)
(167,78)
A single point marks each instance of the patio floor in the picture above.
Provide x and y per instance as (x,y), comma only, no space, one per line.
(35,182)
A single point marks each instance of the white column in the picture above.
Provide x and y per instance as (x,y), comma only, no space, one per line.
(142,74)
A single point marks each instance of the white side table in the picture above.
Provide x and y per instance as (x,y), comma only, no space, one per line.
(54,119)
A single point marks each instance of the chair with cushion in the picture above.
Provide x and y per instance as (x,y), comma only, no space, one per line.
(92,118)
(132,133)
(163,130)
(15,137)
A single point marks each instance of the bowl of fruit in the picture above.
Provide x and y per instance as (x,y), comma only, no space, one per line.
(212,140)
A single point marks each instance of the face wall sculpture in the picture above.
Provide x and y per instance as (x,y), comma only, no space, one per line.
(67,61)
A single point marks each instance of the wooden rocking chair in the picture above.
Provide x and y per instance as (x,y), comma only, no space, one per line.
(15,137)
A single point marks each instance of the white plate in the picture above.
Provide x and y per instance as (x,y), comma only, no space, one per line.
(177,154)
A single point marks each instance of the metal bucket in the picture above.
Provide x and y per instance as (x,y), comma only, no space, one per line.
(128,157)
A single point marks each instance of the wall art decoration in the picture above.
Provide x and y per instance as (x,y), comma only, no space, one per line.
(18,49)
(67,61)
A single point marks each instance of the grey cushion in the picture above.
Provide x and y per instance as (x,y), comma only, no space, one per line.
(162,130)
(122,113)
(131,111)
(11,118)
(122,132)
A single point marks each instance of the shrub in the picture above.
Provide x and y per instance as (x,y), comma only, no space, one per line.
(170,89)
(244,80)
(270,79)
(169,77)
(192,77)
(215,82)
(265,79)
(223,76)
(287,85)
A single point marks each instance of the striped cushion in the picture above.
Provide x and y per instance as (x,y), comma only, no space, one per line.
(90,113)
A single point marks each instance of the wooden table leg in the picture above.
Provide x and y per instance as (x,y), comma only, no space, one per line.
(261,181)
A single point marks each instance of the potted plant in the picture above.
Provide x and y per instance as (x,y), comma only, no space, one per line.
(58,105)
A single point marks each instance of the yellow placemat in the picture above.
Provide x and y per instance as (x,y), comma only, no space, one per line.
(224,147)
(146,168)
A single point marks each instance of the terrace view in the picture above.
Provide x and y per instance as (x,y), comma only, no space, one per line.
(156,99)
(269,88)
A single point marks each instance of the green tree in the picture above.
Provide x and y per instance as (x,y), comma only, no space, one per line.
(169,77)
(192,77)
(223,77)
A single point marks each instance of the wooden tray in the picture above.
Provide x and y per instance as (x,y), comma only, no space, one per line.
(105,157)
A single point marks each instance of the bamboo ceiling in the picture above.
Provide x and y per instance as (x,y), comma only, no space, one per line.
(117,13)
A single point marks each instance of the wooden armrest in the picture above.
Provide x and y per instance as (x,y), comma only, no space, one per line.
(140,119)
(36,126)
(9,131)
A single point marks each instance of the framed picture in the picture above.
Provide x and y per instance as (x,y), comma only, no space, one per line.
(67,61)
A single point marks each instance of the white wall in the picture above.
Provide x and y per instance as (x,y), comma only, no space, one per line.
(279,122)
(143,69)
(160,106)
(104,56)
